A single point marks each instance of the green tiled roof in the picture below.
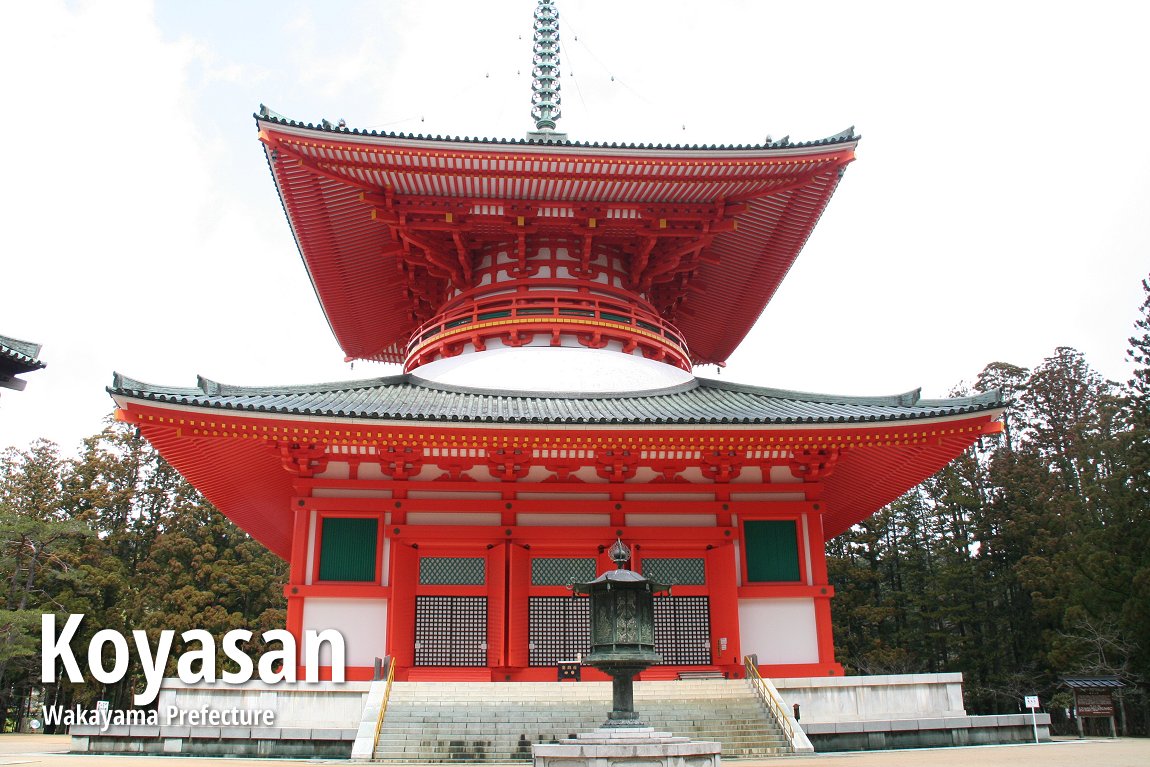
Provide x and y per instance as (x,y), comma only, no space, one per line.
(408,398)
(22,353)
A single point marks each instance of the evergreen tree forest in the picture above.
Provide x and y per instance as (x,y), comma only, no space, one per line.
(116,534)
(1023,561)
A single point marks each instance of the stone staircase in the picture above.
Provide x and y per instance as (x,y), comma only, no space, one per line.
(498,721)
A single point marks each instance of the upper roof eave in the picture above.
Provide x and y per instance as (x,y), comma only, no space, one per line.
(782,147)
(371,318)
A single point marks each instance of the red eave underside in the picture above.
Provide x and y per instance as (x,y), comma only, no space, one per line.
(366,300)
(233,458)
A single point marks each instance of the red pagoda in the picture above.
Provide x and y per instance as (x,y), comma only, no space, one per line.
(548,300)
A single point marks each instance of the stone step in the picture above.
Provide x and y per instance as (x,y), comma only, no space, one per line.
(421,717)
(575,725)
(466,754)
(687,689)
(414,744)
(554,733)
(560,725)
(429,722)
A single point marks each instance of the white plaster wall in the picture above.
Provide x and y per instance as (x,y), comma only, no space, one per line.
(452,495)
(781,475)
(363,623)
(385,567)
(670,520)
(805,542)
(779,630)
(558,369)
(526,496)
(335,470)
(453,518)
(311,553)
(768,496)
(563,520)
(350,492)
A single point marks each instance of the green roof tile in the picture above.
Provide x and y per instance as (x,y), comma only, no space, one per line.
(702,401)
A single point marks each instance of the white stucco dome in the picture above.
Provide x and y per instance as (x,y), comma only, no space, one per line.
(553,369)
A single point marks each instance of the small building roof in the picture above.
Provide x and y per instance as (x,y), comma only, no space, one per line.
(17,357)
(1092,682)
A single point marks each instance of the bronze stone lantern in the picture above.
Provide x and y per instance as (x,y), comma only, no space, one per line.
(622,630)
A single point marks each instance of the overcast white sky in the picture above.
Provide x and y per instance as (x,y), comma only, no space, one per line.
(999,206)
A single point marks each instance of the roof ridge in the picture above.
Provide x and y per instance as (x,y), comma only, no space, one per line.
(905,399)
(209,387)
(265,114)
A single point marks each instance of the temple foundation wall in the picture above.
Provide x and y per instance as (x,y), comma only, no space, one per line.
(324,719)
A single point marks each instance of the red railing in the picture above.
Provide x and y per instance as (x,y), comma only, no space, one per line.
(493,315)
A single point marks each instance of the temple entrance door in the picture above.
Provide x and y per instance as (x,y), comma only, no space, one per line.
(548,624)
(451,610)
(450,631)
(683,620)
(559,629)
(683,630)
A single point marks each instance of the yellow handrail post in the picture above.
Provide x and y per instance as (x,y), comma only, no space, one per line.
(774,705)
(383,704)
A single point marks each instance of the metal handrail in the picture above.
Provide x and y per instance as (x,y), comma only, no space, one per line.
(383,705)
(770,699)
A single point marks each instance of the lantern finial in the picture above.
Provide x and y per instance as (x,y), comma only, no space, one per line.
(619,553)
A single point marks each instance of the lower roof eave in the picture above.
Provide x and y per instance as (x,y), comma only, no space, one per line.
(129,403)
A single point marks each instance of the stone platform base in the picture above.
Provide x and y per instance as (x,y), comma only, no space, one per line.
(630,746)
(266,742)
(878,735)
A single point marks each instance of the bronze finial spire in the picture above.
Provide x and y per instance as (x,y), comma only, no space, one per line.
(545,100)
(619,552)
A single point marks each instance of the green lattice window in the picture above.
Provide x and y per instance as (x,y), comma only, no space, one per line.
(772,548)
(561,571)
(677,571)
(451,571)
(347,549)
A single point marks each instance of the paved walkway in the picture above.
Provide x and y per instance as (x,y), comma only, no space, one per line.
(51,751)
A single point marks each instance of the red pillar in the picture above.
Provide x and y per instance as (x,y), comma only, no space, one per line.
(401,609)
(297,577)
(826,637)
(722,587)
(496,605)
(518,606)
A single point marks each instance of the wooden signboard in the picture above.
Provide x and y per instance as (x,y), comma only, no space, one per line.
(1094,702)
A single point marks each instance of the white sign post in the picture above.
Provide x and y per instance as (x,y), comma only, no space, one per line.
(1032,704)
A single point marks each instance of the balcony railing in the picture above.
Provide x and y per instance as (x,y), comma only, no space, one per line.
(492,315)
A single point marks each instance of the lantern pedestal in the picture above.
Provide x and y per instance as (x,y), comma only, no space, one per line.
(622,712)
(616,747)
